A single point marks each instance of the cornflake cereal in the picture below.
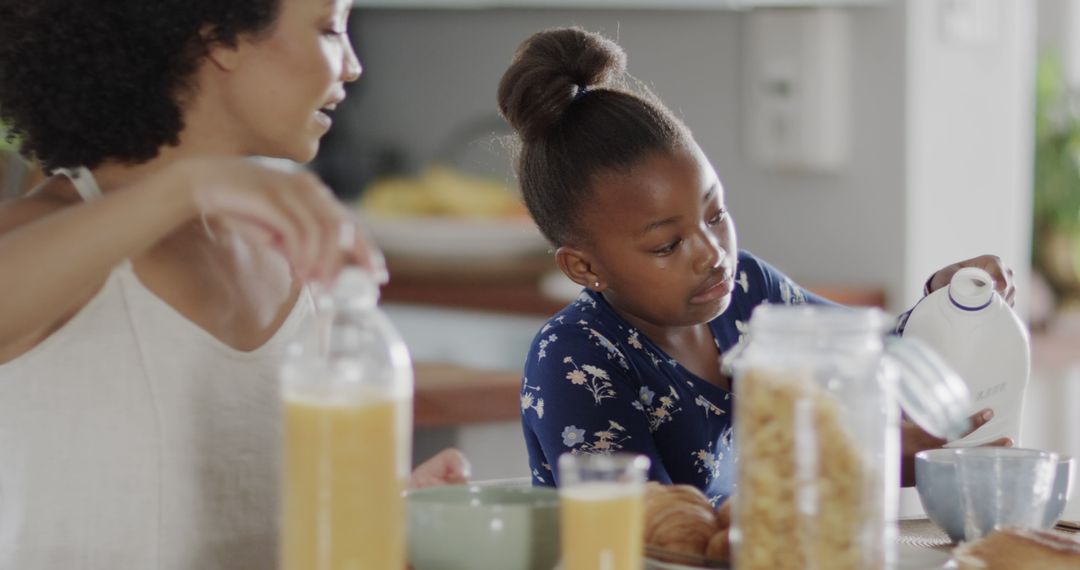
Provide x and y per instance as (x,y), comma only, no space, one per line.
(799,503)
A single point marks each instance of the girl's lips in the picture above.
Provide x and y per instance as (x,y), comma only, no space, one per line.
(718,291)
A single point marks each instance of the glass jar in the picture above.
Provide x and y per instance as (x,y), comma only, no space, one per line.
(817,436)
(347,390)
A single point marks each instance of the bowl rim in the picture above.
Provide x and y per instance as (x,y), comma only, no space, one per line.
(948,454)
(428,496)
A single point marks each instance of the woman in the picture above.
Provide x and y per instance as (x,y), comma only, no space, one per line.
(150,285)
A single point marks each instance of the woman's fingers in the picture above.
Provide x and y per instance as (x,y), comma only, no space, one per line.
(291,210)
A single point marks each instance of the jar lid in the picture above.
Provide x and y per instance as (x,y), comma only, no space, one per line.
(930,392)
(818,320)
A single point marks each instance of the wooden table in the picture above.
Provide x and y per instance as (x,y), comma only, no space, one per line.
(450,395)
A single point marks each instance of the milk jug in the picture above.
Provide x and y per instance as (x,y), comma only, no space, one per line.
(980,337)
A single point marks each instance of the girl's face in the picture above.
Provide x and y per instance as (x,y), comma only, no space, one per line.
(661,241)
(287,78)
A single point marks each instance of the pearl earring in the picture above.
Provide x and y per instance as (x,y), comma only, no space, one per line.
(596,285)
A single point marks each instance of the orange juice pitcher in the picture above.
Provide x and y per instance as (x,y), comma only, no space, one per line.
(347,398)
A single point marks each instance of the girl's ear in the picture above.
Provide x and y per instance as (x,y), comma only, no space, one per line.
(577,265)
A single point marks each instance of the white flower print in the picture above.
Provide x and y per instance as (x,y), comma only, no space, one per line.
(743,282)
(544,344)
(572,436)
(599,373)
(646,395)
(633,340)
(708,462)
(586,299)
(530,401)
(659,414)
(612,350)
(709,406)
(791,293)
(536,474)
(605,442)
(595,379)
(527,403)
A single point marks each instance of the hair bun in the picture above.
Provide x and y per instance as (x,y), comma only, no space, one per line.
(547,72)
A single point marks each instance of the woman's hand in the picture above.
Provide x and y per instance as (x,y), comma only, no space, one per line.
(992,264)
(287,209)
(448,467)
(914,439)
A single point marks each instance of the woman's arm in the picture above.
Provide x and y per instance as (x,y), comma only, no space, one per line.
(53,261)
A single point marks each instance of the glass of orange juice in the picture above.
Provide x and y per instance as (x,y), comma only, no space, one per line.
(602,506)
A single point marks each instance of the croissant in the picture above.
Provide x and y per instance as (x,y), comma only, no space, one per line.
(680,519)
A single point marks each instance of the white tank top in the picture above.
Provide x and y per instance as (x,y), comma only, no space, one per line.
(131,438)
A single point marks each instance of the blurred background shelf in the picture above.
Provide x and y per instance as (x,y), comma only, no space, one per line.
(613,4)
(501,289)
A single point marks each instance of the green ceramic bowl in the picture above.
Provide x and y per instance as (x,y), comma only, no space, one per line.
(468,527)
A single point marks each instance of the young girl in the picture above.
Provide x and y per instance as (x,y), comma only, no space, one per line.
(639,219)
(150,286)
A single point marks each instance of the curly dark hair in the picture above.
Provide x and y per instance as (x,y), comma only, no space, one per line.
(566,96)
(84,81)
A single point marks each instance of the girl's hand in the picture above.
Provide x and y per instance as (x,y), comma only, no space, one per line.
(914,439)
(992,264)
(289,210)
(448,467)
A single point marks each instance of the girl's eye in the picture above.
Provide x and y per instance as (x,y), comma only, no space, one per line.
(718,218)
(333,32)
(667,249)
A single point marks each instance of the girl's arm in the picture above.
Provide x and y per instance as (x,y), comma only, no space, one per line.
(576,398)
(52,261)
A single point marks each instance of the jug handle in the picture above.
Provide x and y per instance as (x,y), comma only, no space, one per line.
(929,391)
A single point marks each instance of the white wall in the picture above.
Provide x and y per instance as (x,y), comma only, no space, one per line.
(938,129)
(969,140)
(428,72)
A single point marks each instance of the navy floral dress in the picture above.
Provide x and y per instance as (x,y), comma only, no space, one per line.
(594,384)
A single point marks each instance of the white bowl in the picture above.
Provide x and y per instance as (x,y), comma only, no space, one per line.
(452,240)
(937,481)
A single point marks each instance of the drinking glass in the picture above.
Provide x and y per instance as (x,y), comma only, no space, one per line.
(1004,487)
(602,504)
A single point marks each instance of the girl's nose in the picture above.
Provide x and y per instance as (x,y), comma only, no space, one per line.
(710,252)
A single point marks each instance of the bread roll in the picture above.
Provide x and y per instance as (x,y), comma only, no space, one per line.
(1015,549)
(719,548)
